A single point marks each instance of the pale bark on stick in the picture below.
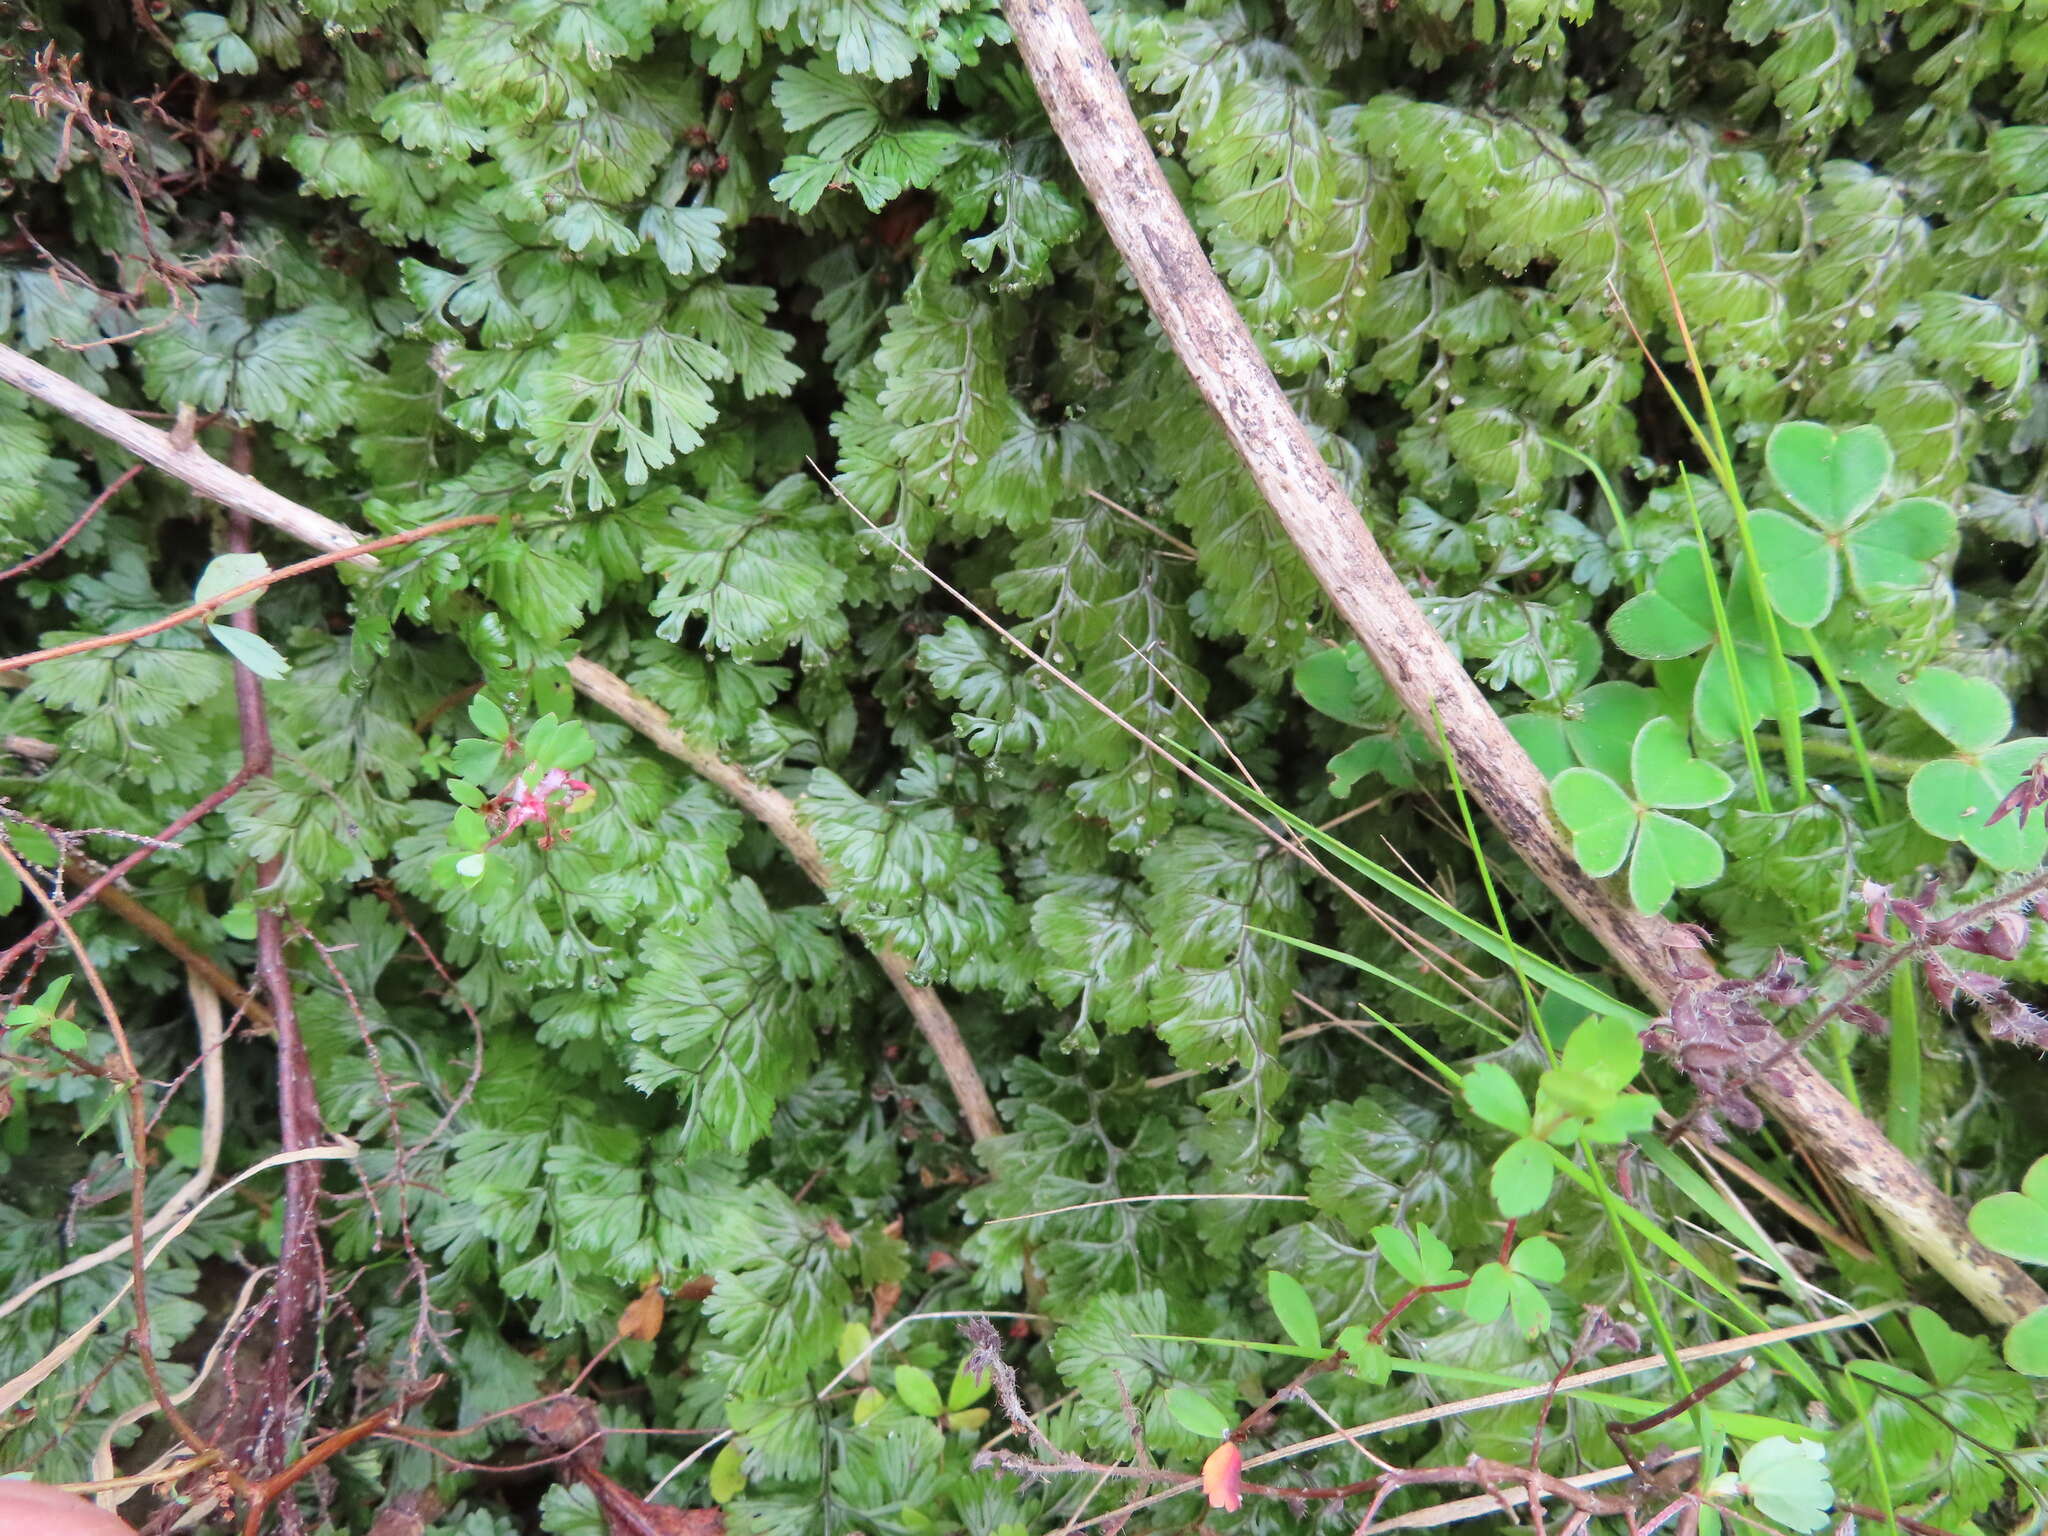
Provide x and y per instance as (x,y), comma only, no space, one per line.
(242,493)
(1092,115)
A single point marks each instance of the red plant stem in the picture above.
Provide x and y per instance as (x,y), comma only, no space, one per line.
(116,871)
(91,511)
(1379,1328)
(301,1268)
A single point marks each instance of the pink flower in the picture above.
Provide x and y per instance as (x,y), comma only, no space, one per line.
(1222,1476)
(522,802)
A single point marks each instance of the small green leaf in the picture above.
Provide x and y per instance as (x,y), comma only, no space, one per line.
(1671,855)
(1531,1307)
(1604,1054)
(728,1478)
(1609,718)
(1714,713)
(183,1145)
(1326,681)
(1291,1305)
(920,1394)
(1787,1481)
(239,921)
(967,1389)
(251,650)
(1802,575)
(489,718)
(1628,1117)
(1522,1178)
(32,844)
(471,866)
(1540,1259)
(1954,798)
(1666,773)
(1600,816)
(477,760)
(1495,1097)
(2035,1185)
(1674,618)
(1970,711)
(223,574)
(2026,1344)
(2015,1225)
(1197,1414)
(1399,1250)
(1894,550)
(1831,476)
(868,1402)
(853,1338)
(67,1036)
(1487,1296)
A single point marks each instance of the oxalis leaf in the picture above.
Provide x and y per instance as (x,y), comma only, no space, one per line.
(1675,618)
(1833,477)
(1955,797)
(1787,1481)
(1610,826)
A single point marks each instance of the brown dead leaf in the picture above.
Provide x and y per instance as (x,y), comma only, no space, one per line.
(886,1295)
(627,1514)
(642,1317)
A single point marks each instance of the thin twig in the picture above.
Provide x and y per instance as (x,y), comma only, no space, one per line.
(243,589)
(92,508)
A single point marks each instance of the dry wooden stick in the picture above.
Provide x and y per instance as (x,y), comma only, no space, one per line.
(241,493)
(1092,115)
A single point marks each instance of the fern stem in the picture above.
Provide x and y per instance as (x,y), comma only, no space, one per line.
(1855,732)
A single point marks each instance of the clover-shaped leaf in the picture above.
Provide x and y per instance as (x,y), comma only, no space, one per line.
(1522,1177)
(2016,1223)
(1586,1095)
(2026,1344)
(1420,1260)
(1609,718)
(1955,797)
(1675,618)
(1802,572)
(1497,1287)
(1611,826)
(1294,1309)
(1835,479)
(1787,1481)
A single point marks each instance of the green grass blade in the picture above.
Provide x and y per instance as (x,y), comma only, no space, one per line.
(1726,637)
(1550,977)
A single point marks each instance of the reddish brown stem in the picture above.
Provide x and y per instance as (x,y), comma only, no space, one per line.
(91,511)
(1379,1328)
(301,1268)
